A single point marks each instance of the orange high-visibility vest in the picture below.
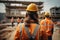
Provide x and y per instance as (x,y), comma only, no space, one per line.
(18,20)
(24,33)
(47,26)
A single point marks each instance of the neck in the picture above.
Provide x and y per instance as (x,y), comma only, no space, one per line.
(47,18)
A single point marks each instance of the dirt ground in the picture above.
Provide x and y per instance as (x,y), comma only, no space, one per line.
(7,33)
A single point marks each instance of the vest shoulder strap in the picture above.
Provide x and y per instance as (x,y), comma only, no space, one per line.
(34,33)
(21,26)
(21,30)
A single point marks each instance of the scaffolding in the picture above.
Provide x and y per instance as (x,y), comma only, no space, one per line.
(15,8)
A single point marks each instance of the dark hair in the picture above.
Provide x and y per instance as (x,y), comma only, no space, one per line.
(32,16)
(48,16)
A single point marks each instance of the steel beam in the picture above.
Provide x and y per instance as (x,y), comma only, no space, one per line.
(22,2)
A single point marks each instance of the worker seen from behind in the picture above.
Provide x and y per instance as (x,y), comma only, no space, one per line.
(22,20)
(12,21)
(30,29)
(47,25)
(18,20)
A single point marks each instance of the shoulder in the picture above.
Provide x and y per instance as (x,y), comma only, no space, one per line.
(51,21)
(19,26)
(42,21)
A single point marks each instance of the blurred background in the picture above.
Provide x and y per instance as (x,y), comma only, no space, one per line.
(12,12)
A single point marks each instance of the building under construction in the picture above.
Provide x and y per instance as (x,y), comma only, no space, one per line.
(55,13)
(17,8)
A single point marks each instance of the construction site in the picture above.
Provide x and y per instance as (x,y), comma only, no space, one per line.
(15,13)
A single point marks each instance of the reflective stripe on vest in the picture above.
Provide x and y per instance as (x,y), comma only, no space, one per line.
(21,30)
(34,33)
(47,25)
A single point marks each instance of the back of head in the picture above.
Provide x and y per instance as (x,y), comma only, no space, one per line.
(47,14)
(31,14)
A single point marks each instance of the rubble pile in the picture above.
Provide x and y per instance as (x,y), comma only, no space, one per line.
(6,32)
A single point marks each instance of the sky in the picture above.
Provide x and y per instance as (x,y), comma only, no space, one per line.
(47,4)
